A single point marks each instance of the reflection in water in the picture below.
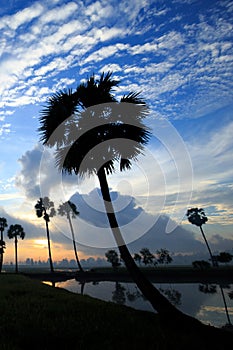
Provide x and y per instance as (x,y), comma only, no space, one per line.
(173,295)
(118,295)
(50,283)
(132,296)
(208,288)
(230,294)
(205,306)
(212,289)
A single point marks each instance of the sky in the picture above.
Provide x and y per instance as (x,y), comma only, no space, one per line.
(178,54)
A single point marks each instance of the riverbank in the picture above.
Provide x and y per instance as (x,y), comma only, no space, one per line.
(169,274)
(37,316)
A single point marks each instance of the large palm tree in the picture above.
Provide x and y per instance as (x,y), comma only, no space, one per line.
(92,132)
(3,225)
(69,209)
(197,216)
(16,231)
(45,208)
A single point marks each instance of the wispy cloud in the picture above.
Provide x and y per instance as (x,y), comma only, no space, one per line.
(61,37)
(4,129)
(60,13)
(20,18)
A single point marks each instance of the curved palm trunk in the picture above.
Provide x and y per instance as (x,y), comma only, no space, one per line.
(208,247)
(165,309)
(16,256)
(49,247)
(74,244)
(1,254)
(214,265)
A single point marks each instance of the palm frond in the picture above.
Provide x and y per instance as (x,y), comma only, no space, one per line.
(125,164)
(106,83)
(59,107)
(133,97)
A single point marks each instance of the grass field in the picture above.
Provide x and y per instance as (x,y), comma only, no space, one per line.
(36,316)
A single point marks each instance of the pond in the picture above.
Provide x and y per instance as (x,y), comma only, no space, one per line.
(202,301)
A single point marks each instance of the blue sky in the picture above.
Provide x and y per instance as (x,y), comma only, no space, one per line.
(178,53)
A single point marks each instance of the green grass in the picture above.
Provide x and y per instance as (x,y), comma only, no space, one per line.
(36,316)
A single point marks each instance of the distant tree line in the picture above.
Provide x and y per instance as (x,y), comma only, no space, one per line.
(222,258)
(162,256)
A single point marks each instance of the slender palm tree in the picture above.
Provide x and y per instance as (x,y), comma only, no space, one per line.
(3,225)
(45,208)
(16,231)
(198,217)
(92,131)
(69,209)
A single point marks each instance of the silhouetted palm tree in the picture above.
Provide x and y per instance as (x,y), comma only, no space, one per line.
(70,210)
(197,217)
(113,258)
(99,132)
(3,225)
(14,232)
(45,208)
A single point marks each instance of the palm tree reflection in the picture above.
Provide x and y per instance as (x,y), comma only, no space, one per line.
(207,288)
(120,295)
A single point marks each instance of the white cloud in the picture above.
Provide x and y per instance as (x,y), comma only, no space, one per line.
(165,61)
(142,49)
(10,196)
(39,177)
(63,83)
(5,129)
(105,52)
(98,10)
(112,67)
(22,17)
(101,54)
(28,178)
(212,154)
(60,13)
(58,64)
(7,112)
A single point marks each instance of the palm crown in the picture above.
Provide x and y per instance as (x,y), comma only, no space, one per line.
(93,130)
(16,230)
(196,216)
(68,208)
(3,224)
(42,206)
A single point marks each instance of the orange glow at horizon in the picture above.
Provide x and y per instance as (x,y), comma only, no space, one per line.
(37,249)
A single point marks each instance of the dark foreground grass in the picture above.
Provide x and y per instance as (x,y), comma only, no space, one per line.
(36,316)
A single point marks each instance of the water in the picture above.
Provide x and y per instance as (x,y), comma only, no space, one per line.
(206,305)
